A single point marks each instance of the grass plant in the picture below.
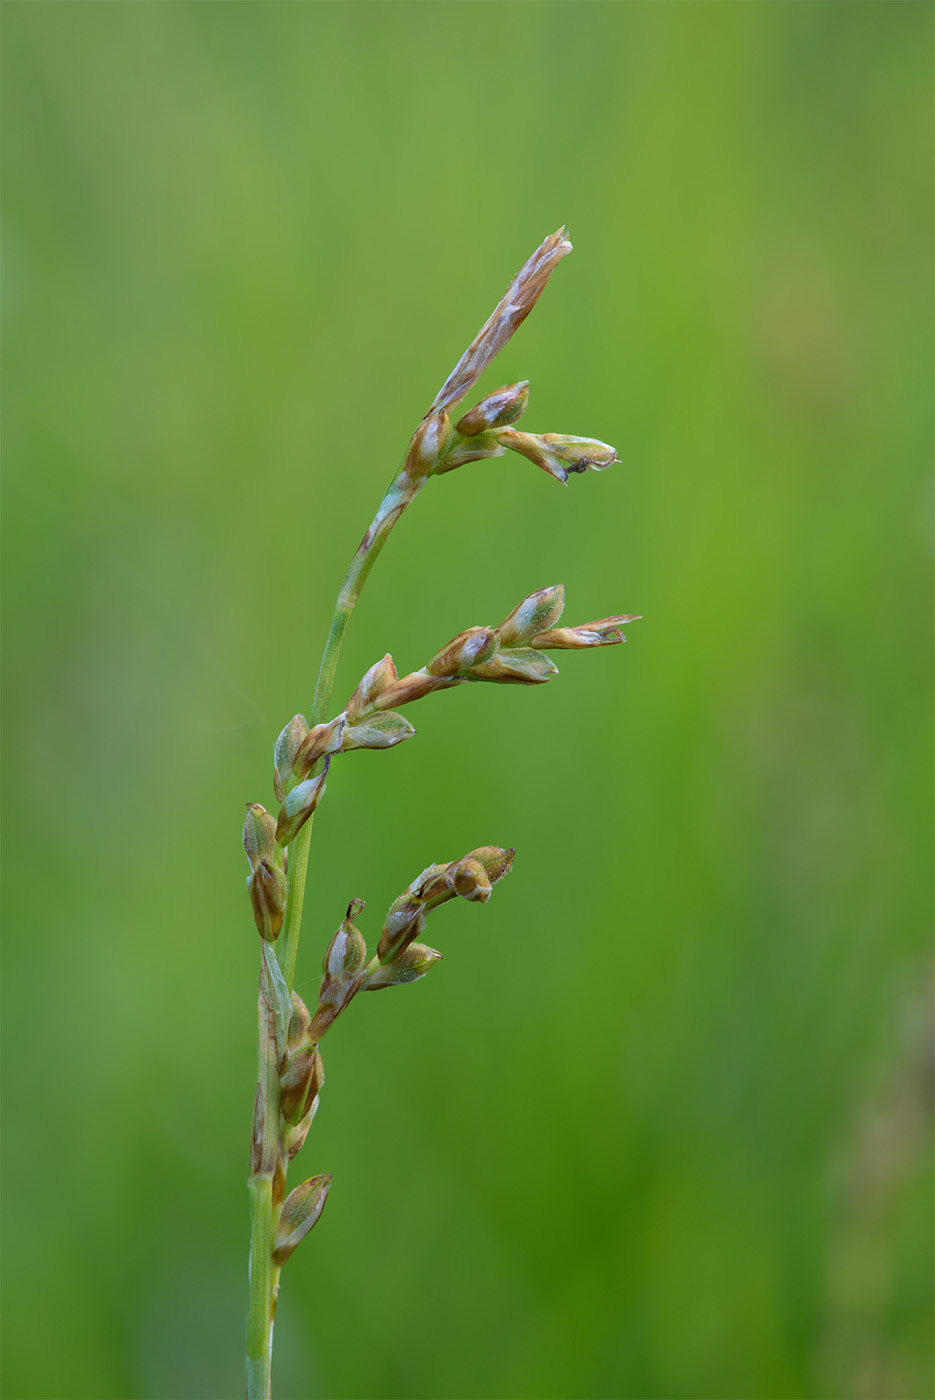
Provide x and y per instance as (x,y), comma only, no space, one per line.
(290,1072)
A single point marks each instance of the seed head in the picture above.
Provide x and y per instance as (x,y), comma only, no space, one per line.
(468,649)
(602,633)
(429,444)
(378,731)
(497,410)
(301,1212)
(516,666)
(286,748)
(322,740)
(508,315)
(409,965)
(267,890)
(300,1083)
(534,614)
(381,674)
(558,453)
(259,835)
(299,805)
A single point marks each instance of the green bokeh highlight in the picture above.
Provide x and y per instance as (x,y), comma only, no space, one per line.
(657,1126)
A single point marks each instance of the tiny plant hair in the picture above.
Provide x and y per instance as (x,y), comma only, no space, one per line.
(290,1073)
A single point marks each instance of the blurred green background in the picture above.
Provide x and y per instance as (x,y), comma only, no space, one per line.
(658,1126)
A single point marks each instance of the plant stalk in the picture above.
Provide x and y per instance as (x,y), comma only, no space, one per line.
(264,1209)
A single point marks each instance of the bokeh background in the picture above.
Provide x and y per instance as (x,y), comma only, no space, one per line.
(658,1126)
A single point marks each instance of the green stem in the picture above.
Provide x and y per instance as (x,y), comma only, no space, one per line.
(400,494)
(264,1210)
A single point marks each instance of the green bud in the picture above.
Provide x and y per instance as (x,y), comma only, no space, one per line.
(284,752)
(496,860)
(519,666)
(299,805)
(559,454)
(267,890)
(294,1138)
(324,739)
(602,633)
(412,687)
(498,409)
(347,951)
(468,649)
(471,880)
(372,684)
(404,922)
(298,1023)
(428,446)
(259,835)
(534,614)
(411,963)
(300,1083)
(378,731)
(300,1213)
(342,963)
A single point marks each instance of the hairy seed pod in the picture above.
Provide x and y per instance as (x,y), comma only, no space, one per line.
(259,835)
(267,890)
(409,965)
(602,633)
(299,805)
(371,684)
(516,666)
(324,739)
(284,752)
(428,446)
(497,410)
(534,614)
(300,1213)
(470,648)
(300,1083)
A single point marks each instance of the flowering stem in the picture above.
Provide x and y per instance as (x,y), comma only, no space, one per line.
(264,1209)
(274,1137)
(399,495)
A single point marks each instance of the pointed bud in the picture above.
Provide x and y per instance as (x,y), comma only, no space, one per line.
(404,922)
(409,965)
(604,632)
(412,687)
(534,614)
(470,648)
(287,746)
(300,1083)
(372,684)
(299,805)
(498,409)
(496,860)
(558,453)
(434,886)
(379,731)
(471,880)
(519,666)
(342,963)
(429,444)
(347,950)
(324,739)
(294,1138)
(300,1213)
(267,890)
(298,1023)
(259,835)
(512,309)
